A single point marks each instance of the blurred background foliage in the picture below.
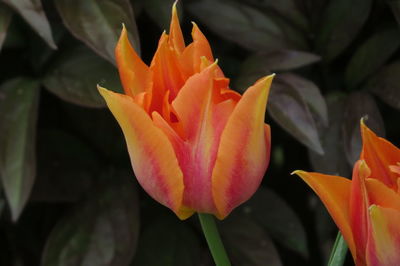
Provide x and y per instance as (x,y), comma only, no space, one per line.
(68,195)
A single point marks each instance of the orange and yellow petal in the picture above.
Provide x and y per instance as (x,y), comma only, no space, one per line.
(334,192)
(384,240)
(192,61)
(243,152)
(176,38)
(195,108)
(167,74)
(379,154)
(359,209)
(135,75)
(152,155)
(381,195)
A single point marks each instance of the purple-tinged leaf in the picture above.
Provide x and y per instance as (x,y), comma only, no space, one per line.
(386,84)
(310,94)
(246,26)
(289,9)
(289,109)
(359,105)
(33,13)
(332,161)
(261,64)
(98,23)
(74,75)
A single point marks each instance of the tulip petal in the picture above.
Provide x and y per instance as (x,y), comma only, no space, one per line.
(196,108)
(334,192)
(243,152)
(192,61)
(201,48)
(135,75)
(359,209)
(384,240)
(152,155)
(379,154)
(167,74)
(381,195)
(175,32)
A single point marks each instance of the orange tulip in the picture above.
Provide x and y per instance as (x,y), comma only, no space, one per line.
(195,144)
(367,208)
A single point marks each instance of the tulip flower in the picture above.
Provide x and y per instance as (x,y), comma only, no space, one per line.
(367,208)
(195,145)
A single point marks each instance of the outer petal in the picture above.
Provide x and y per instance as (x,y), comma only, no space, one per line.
(379,154)
(243,153)
(359,203)
(334,191)
(203,120)
(152,155)
(384,240)
(135,75)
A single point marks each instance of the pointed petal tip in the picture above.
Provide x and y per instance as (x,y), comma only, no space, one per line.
(298,172)
(174,8)
(101,90)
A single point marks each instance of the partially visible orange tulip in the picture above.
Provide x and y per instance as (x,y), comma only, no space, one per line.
(195,144)
(367,208)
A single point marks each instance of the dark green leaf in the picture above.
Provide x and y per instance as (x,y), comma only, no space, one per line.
(18,115)
(371,55)
(32,12)
(160,11)
(289,109)
(73,78)
(386,84)
(332,161)
(278,219)
(168,242)
(359,105)
(101,231)
(98,23)
(242,24)
(63,176)
(247,244)
(341,21)
(261,64)
(5,18)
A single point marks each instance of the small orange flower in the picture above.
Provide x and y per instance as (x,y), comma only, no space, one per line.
(367,208)
(195,144)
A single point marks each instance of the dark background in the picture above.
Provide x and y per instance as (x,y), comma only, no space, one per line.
(68,195)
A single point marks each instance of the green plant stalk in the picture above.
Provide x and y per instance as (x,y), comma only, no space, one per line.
(213,239)
(339,251)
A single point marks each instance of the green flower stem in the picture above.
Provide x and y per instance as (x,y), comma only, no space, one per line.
(339,251)
(213,239)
